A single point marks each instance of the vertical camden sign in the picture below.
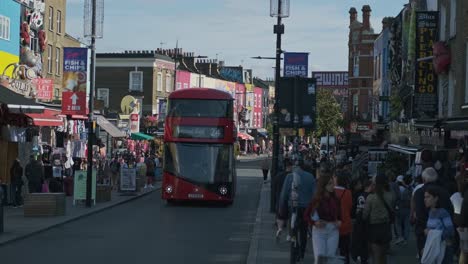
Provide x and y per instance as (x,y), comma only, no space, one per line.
(296,64)
(425,93)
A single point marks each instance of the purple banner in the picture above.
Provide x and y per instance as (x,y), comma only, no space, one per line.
(296,64)
(75,69)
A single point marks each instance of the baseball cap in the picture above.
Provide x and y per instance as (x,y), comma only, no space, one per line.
(400,178)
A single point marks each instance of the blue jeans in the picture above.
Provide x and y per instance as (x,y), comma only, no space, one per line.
(449,252)
(402,223)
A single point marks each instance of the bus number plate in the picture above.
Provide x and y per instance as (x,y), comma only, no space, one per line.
(195,195)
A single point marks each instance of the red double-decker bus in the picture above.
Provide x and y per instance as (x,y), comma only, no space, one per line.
(199,136)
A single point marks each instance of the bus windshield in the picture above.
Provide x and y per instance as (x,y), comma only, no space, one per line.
(200,108)
(200,163)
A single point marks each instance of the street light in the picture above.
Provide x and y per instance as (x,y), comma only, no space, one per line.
(278,9)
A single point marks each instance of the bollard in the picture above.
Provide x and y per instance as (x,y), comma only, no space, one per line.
(1,210)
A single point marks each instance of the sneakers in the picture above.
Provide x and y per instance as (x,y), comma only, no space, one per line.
(398,241)
(146,186)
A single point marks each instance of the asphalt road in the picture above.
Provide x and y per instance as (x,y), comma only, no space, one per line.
(149,231)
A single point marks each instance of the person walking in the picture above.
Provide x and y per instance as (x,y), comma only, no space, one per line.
(35,175)
(323,214)
(296,194)
(16,174)
(346,205)
(359,245)
(378,210)
(441,220)
(421,212)
(403,215)
(266,165)
(278,186)
(150,169)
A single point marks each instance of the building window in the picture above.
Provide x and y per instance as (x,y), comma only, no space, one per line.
(179,86)
(356,66)
(185,85)
(59,22)
(103,94)
(51,18)
(168,83)
(355,104)
(451,93)
(4,28)
(57,61)
(159,82)
(35,44)
(136,81)
(443,22)
(453,18)
(49,59)
(57,93)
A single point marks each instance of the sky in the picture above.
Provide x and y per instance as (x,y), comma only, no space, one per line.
(232,30)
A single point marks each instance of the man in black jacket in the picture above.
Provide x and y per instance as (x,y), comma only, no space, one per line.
(430,178)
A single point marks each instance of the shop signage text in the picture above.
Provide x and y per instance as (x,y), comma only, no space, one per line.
(44,88)
(296,64)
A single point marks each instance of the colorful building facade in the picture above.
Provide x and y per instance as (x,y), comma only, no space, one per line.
(10,39)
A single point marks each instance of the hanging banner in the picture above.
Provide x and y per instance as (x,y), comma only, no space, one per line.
(296,64)
(79,187)
(75,69)
(74,103)
(297,102)
(425,92)
(128,179)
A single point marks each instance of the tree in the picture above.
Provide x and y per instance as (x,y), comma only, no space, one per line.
(329,115)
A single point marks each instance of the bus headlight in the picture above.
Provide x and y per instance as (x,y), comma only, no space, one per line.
(223,190)
(169,189)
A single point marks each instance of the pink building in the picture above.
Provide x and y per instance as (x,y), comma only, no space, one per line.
(183,80)
(257,109)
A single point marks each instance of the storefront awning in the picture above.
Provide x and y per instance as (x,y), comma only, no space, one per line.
(141,136)
(48,118)
(427,124)
(109,127)
(244,136)
(403,149)
(459,123)
(84,117)
(17,103)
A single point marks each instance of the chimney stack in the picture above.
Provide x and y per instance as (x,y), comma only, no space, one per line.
(366,13)
(387,22)
(352,15)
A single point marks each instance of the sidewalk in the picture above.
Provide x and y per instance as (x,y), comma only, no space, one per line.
(18,227)
(251,157)
(264,248)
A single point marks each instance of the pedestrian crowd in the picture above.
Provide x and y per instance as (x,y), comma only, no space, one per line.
(37,177)
(366,219)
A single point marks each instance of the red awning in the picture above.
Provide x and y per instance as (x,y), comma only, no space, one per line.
(48,118)
(244,136)
(79,117)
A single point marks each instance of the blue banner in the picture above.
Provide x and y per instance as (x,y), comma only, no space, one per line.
(75,69)
(296,64)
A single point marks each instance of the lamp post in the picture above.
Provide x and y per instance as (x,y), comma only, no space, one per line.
(279,9)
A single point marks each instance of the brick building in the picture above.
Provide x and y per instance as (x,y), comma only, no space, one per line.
(361,72)
(57,39)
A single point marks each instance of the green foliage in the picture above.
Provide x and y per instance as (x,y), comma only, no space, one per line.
(329,116)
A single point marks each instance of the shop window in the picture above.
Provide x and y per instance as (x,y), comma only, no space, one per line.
(443,22)
(103,94)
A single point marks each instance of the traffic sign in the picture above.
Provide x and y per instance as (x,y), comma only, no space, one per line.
(74,103)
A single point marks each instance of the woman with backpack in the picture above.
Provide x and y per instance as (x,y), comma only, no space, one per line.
(379,215)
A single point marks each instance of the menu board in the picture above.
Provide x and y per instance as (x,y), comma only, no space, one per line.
(128,179)
(79,191)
